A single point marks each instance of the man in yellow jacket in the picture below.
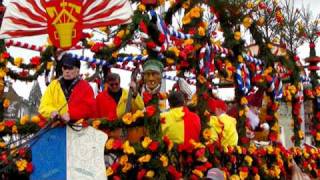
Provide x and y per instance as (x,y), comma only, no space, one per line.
(68,97)
(180,125)
(223,127)
(111,103)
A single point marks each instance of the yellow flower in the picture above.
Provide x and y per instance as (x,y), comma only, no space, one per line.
(2,144)
(91,43)
(306,154)
(49,65)
(146,141)
(243,175)
(18,61)
(145,158)
(21,164)
(275,127)
(162,104)
(237,35)
(169,61)
(35,119)
(14,129)
(240,59)
(2,126)
(126,167)
(269,45)
(109,144)
(269,149)
(121,33)
(127,31)
(6,103)
(175,50)
(248,159)
(196,12)
(164,160)
(234,177)
(201,31)
(115,54)
(142,7)
(170,145)
(277,151)
(244,101)
(206,134)
(252,148)
(150,174)
(239,149)
(24,119)
(186,19)
(317,136)
(201,79)
(247,21)
(2,73)
(123,159)
(188,42)
(241,113)
(288,97)
(198,173)
(250,5)
(196,145)
(127,148)
(277,171)
(144,52)
(137,114)
(127,118)
(109,171)
(292,89)
(300,134)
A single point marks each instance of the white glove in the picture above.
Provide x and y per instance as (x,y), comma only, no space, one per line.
(265,126)
(185,88)
(253,119)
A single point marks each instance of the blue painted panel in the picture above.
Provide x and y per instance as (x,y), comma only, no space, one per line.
(49,155)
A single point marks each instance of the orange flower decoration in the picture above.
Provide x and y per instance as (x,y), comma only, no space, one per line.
(6,103)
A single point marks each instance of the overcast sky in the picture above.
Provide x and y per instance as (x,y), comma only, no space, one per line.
(23,88)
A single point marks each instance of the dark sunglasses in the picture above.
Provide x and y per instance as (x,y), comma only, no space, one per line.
(113,84)
(67,67)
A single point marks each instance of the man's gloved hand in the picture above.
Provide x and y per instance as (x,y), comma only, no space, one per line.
(133,86)
(185,88)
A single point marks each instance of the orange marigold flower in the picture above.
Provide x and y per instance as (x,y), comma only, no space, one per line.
(24,119)
(6,103)
(145,158)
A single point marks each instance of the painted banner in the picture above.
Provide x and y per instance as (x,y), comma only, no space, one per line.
(63,20)
(65,154)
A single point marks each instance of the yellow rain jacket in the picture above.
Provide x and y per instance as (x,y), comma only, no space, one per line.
(108,108)
(226,127)
(81,103)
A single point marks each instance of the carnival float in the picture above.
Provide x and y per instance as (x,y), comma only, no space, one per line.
(248,45)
